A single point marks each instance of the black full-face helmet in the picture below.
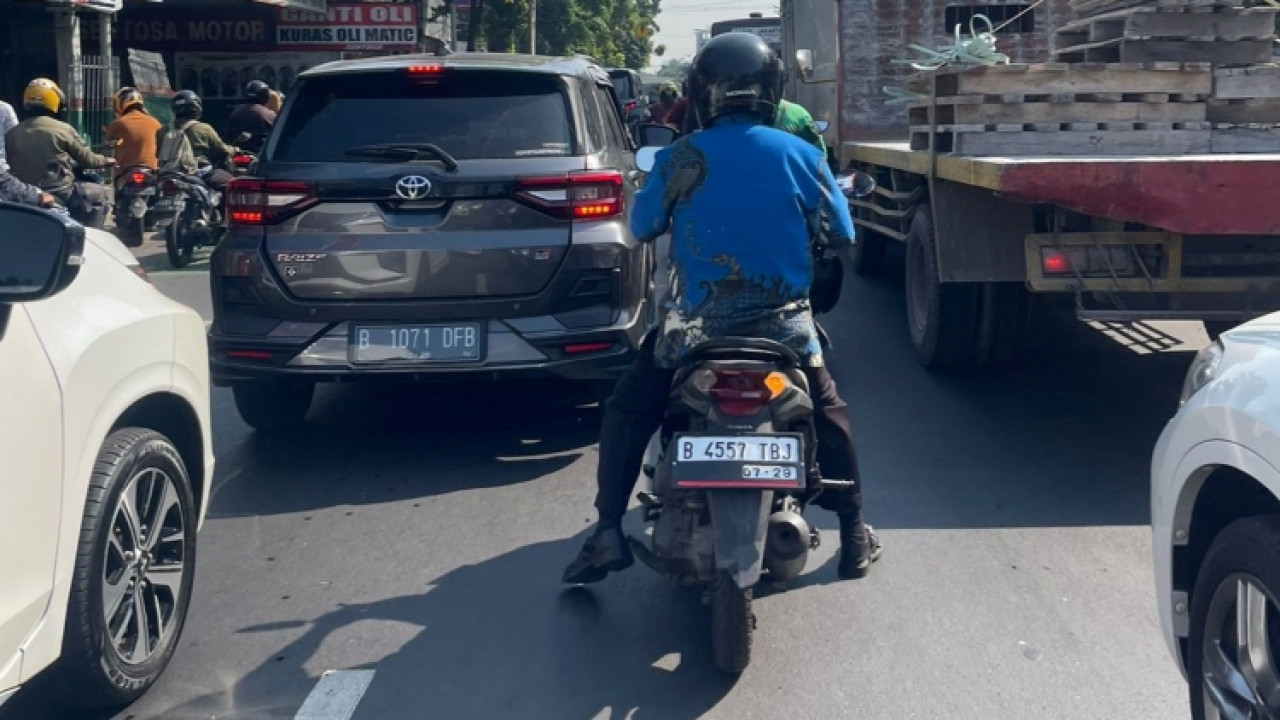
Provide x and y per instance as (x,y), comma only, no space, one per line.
(186,105)
(735,74)
(257,91)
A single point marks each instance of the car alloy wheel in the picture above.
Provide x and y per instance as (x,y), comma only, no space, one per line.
(144,566)
(1241,633)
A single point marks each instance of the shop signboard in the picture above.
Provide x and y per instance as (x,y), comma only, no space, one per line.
(172,29)
(223,75)
(349,27)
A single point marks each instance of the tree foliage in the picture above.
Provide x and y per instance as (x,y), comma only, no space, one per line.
(618,33)
(674,68)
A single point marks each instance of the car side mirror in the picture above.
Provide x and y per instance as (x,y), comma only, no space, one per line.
(804,62)
(654,135)
(645,158)
(41,254)
(856,185)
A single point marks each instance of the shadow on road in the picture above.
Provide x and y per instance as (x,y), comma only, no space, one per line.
(502,638)
(1061,438)
(368,444)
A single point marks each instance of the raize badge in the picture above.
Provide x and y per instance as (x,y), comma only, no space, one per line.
(300,257)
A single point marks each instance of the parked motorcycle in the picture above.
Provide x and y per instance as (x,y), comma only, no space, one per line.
(188,212)
(733,468)
(134,195)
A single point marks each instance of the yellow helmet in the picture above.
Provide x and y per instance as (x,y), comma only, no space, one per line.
(127,97)
(44,94)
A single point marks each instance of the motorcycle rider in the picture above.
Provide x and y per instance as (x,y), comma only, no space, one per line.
(205,141)
(253,118)
(741,265)
(133,133)
(44,151)
(666,100)
(15,191)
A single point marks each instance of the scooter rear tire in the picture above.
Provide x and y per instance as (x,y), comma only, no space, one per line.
(177,242)
(732,624)
(130,231)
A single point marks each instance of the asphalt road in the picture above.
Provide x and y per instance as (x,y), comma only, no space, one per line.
(421,536)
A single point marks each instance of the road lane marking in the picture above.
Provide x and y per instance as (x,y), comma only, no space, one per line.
(336,695)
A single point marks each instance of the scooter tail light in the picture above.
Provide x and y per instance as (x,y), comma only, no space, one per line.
(137,178)
(741,393)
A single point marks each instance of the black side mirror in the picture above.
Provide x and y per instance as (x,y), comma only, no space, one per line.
(857,184)
(41,254)
(654,135)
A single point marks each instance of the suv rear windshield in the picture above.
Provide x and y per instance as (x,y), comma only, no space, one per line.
(470,114)
(622,85)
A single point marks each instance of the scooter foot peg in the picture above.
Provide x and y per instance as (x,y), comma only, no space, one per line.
(815,538)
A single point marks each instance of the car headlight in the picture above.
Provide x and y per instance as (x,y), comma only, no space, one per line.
(1203,369)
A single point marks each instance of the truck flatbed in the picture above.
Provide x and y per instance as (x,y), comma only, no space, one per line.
(1222,194)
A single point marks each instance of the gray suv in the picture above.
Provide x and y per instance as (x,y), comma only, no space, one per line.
(431,218)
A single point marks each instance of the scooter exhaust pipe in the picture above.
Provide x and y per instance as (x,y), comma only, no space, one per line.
(786,547)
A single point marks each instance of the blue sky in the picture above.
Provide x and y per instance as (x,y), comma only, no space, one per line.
(679,18)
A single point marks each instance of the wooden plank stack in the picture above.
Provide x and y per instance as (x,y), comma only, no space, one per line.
(1065,109)
(1209,31)
(1133,77)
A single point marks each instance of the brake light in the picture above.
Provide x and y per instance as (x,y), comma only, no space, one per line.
(584,195)
(242,160)
(742,393)
(137,178)
(1055,262)
(631,105)
(254,201)
(258,355)
(424,69)
(583,348)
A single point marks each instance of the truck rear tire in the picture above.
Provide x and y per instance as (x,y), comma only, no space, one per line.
(1002,323)
(942,318)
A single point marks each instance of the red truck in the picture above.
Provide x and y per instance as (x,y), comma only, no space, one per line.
(1122,186)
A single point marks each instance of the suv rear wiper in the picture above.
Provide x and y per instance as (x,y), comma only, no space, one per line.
(409,151)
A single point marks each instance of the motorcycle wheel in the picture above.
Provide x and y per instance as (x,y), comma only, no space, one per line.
(130,231)
(177,242)
(732,623)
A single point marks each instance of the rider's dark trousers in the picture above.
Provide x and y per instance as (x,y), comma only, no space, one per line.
(635,411)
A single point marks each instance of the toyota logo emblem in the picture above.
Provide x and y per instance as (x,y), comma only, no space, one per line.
(412,187)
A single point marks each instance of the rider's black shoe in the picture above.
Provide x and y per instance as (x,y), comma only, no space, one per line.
(859,547)
(605,551)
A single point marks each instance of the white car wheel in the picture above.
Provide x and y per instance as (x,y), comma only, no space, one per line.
(1235,625)
(134,571)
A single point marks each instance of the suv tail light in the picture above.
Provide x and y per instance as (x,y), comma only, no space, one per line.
(741,393)
(254,201)
(580,195)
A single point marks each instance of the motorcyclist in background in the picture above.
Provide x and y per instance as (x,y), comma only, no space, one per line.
(46,152)
(15,191)
(253,118)
(205,141)
(741,265)
(133,133)
(666,100)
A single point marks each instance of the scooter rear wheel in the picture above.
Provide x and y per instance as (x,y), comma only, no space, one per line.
(732,624)
(130,231)
(177,242)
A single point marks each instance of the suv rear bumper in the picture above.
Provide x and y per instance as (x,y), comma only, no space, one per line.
(511,354)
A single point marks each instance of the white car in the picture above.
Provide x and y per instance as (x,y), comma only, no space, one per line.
(1215,517)
(105,462)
